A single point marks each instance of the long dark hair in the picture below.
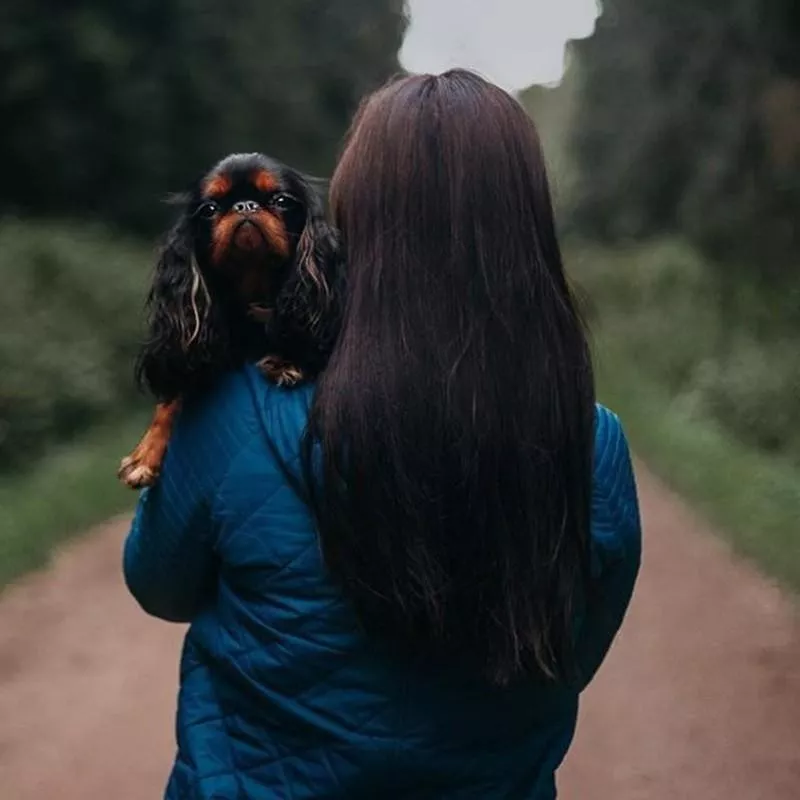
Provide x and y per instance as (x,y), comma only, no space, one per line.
(449,448)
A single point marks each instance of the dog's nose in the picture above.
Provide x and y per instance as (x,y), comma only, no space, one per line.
(246,206)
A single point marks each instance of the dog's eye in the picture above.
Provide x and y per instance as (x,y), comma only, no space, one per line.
(282,201)
(207,210)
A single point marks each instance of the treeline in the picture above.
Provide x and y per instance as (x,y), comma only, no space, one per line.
(689,122)
(107,107)
(680,122)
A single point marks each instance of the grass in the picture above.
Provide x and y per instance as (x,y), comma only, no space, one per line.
(72,489)
(70,324)
(753,498)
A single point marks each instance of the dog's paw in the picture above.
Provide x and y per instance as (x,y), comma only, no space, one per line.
(281,372)
(135,474)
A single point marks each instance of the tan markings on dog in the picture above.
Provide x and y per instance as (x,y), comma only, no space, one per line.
(142,466)
(226,243)
(217,186)
(264,181)
(276,233)
(222,236)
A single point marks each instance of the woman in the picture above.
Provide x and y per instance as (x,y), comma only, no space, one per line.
(399,580)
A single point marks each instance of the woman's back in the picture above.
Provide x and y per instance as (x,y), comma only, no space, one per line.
(282,694)
(454,421)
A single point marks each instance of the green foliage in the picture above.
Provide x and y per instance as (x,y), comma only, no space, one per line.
(70,312)
(755,392)
(656,303)
(108,107)
(688,122)
(677,135)
(552,110)
(655,335)
(73,488)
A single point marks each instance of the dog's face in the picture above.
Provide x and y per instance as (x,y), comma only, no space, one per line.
(250,259)
(247,215)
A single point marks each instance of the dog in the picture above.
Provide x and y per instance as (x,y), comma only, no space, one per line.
(245,275)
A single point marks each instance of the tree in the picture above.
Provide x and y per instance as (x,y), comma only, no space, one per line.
(107,107)
(688,121)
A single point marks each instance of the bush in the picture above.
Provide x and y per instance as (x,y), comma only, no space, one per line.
(657,306)
(709,399)
(70,312)
(756,393)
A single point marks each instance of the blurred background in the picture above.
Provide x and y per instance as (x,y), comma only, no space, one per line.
(107,108)
(674,141)
(672,132)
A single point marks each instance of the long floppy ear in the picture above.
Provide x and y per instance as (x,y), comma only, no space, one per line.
(309,301)
(184,334)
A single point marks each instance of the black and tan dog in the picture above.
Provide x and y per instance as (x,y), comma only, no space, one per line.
(246,274)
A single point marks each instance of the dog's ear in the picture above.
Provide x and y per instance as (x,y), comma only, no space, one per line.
(183,333)
(310,298)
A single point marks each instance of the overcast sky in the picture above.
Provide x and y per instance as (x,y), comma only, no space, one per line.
(512,42)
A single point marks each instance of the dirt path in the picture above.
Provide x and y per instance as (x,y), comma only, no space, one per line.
(700,697)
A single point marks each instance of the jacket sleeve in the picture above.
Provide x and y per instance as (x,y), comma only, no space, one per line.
(169,562)
(616,545)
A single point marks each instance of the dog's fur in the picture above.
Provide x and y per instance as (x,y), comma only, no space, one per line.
(246,274)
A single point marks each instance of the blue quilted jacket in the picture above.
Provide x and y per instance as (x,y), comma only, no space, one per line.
(281,696)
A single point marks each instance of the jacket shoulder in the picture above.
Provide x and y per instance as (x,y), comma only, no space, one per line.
(615,508)
(610,444)
(244,400)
